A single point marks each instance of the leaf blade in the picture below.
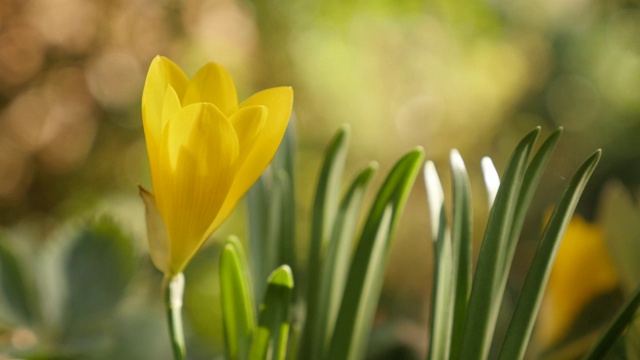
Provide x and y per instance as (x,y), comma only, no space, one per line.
(325,207)
(461,242)
(442,294)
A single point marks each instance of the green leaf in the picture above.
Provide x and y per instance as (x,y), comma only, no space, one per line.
(521,326)
(335,264)
(442,301)
(487,289)
(237,301)
(462,248)
(367,267)
(16,295)
(270,338)
(325,208)
(615,329)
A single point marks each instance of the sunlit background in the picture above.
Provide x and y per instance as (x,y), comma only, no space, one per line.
(473,75)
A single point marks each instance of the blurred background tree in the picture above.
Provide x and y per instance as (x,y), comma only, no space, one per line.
(474,75)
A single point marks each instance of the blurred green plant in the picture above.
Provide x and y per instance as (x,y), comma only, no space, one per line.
(63,304)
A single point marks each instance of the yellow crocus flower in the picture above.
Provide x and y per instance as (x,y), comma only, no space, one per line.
(205,151)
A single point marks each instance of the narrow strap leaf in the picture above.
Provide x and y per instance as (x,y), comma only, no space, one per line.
(462,248)
(325,207)
(237,302)
(522,322)
(442,299)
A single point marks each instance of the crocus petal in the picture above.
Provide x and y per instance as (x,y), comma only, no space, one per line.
(156,232)
(162,74)
(198,155)
(248,123)
(170,105)
(278,101)
(213,84)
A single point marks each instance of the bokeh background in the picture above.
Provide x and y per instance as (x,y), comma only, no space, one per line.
(474,75)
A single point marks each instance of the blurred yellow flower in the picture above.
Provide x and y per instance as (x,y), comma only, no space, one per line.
(205,151)
(582,271)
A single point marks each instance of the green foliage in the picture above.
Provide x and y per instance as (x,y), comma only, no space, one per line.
(341,299)
(365,277)
(325,208)
(344,276)
(463,323)
(528,304)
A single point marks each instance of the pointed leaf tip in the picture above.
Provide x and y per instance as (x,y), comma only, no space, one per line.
(282,276)
(435,196)
(456,160)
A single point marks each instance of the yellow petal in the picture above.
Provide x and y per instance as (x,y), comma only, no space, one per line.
(156,233)
(213,84)
(197,162)
(248,122)
(170,105)
(162,74)
(278,102)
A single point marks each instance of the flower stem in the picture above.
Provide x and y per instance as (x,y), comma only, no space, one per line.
(173,291)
